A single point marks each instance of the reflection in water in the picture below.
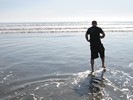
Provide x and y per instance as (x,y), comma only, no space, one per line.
(96,86)
(92,87)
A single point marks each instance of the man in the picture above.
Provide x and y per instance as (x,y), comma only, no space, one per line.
(96,47)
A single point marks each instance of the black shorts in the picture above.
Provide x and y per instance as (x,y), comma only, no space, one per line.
(95,50)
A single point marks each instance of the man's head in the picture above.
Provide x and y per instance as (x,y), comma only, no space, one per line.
(94,23)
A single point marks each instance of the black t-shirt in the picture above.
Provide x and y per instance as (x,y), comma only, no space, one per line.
(94,33)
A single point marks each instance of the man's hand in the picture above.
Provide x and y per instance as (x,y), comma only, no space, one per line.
(88,40)
(102,35)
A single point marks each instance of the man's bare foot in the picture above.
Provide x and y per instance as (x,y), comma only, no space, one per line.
(103,66)
(92,73)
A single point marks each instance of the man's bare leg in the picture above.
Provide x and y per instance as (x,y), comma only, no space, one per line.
(92,65)
(103,62)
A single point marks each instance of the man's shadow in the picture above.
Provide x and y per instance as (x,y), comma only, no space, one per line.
(92,86)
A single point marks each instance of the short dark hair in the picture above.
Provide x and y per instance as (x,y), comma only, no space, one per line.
(94,22)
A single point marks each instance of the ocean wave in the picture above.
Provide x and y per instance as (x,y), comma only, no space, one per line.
(62,27)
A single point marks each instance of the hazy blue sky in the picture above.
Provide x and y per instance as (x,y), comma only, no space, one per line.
(65,10)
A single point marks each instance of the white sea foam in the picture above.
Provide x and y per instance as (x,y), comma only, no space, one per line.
(57,27)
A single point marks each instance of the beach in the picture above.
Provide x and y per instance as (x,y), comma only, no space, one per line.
(51,61)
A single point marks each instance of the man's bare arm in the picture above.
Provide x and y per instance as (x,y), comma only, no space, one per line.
(102,35)
(86,36)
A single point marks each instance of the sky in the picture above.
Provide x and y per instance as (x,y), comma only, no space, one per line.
(65,10)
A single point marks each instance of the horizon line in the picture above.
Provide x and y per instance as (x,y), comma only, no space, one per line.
(63,21)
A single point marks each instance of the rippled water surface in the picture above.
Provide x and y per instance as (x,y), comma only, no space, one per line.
(41,66)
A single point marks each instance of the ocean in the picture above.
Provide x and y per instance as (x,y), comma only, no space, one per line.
(51,61)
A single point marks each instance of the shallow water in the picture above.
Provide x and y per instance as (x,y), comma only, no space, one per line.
(56,67)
